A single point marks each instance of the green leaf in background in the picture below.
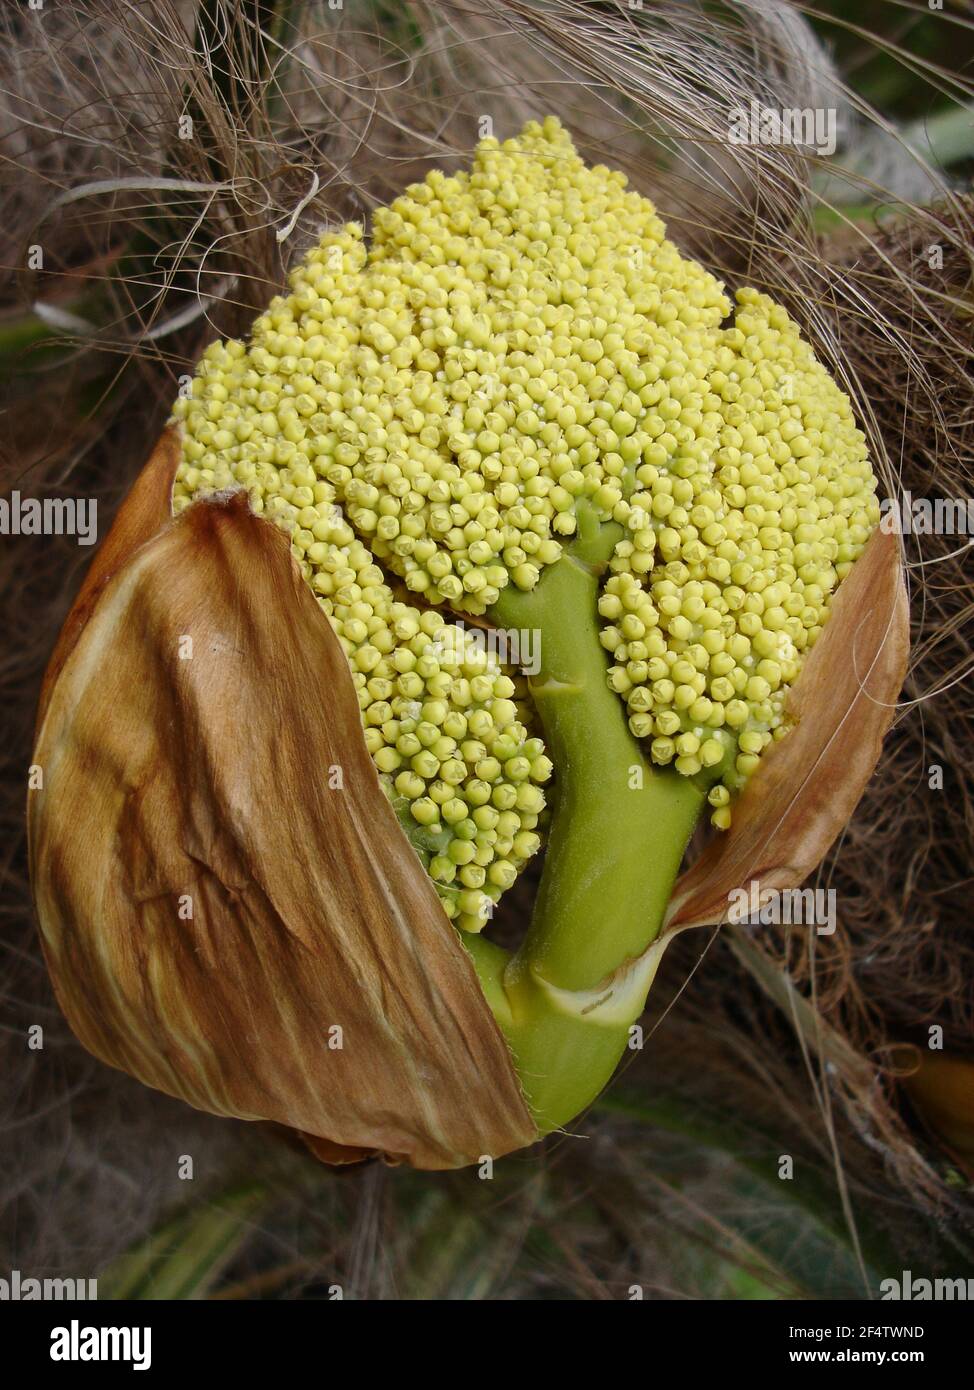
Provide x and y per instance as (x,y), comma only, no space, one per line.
(185,1256)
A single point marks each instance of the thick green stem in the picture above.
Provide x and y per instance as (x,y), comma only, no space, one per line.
(567,998)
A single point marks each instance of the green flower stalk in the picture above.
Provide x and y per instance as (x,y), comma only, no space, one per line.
(518,402)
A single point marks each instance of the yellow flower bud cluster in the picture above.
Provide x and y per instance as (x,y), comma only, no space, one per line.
(441,721)
(516,340)
(736,538)
(522,334)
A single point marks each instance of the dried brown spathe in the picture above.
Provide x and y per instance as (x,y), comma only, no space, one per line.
(212,903)
(807,784)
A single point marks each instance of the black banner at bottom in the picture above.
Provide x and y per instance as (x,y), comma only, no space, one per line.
(170,1339)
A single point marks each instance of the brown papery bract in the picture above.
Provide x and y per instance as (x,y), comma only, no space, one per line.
(219,878)
(807,784)
(942,1091)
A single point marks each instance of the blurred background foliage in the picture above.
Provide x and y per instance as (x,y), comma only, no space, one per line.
(864,38)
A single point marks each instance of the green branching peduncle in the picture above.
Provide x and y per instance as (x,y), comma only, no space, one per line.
(567,998)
